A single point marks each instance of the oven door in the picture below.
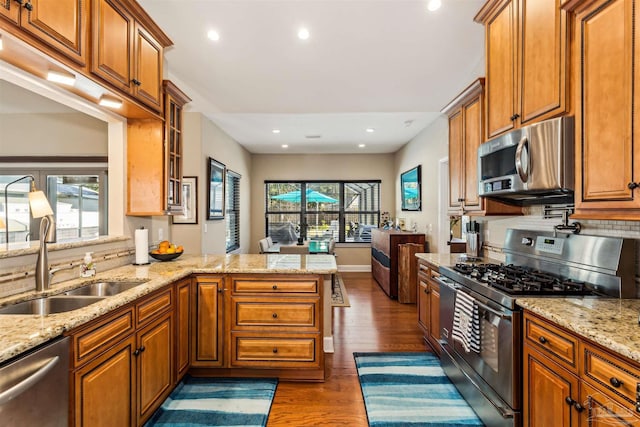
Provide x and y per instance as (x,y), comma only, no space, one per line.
(496,360)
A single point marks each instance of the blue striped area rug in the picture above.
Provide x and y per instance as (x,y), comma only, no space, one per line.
(217,402)
(410,389)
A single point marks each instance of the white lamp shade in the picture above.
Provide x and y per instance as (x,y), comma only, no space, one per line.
(39,204)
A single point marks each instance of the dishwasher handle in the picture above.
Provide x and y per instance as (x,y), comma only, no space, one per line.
(27,383)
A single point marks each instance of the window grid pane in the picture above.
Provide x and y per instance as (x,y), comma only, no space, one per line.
(232,216)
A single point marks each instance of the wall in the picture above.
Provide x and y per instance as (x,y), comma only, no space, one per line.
(322,167)
(426,149)
(204,139)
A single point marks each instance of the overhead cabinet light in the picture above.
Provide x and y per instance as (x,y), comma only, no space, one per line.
(108,101)
(61,77)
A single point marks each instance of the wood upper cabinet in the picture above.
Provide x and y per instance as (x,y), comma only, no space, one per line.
(125,54)
(154,159)
(526,62)
(607,124)
(61,24)
(466,133)
(207,341)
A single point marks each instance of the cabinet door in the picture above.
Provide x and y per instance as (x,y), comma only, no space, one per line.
(183,292)
(548,391)
(605,123)
(472,140)
(543,58)
(105,388)
(456,169)
(423,304)
(207,318)
(10,9)
(112,35)
(434,315)
(61,24)
(147,82)
(500,33)
(601,411)
(155,365)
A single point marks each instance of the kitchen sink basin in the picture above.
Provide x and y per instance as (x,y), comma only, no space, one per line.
(105,289)
(50,305)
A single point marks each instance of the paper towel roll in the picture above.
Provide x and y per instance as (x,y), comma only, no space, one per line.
(142,246)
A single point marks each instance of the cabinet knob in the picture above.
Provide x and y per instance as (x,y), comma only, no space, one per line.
(578,407)
(275,350)
(633,185)
(514,117)
(569,400)
(274,315)
(274,287)
(543,340)
(615,382)
(136,352)
(136,82)
(28,6)
(426,291)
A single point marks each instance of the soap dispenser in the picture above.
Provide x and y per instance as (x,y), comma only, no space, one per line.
(88,267)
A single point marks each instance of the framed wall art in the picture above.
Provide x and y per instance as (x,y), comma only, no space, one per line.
(410,189)
(190,200)
(215,189)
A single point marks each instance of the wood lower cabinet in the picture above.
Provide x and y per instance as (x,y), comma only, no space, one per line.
(123,363)
(526,44)
(183,321)
(570,381)
(607,123)
(207,311)
(429,304)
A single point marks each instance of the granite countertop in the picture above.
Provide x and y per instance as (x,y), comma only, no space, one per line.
(440,259)
(19,333)
(610,322)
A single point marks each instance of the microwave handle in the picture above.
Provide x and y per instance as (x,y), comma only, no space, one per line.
(523,170)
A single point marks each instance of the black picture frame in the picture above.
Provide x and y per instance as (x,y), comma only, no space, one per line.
(216,176)
(410,189)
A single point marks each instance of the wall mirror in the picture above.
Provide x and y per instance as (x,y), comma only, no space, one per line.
(410,182)
(215,193)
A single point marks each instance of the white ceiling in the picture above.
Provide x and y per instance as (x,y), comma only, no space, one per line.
(367,63)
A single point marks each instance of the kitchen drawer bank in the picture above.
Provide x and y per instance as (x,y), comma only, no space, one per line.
(20,333)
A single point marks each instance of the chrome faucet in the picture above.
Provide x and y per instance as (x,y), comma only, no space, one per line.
(47,235)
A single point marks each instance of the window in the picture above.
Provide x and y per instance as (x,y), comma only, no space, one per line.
(343,210)
(78,198)
(232,211)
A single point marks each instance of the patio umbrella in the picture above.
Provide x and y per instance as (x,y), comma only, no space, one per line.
(312,196)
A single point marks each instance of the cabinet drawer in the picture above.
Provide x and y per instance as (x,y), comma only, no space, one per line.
(276,285)
(552,341)
(604,411)
(153,306)
(618,378)
(101,335)
(298,314)
(274,351)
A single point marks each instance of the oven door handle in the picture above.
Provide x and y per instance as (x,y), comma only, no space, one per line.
(458,288)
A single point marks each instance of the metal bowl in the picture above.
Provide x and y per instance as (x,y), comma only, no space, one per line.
(165,257)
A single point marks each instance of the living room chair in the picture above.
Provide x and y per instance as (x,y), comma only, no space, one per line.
(263,245)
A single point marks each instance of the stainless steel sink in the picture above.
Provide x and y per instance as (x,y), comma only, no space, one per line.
(105,289)
(50,305)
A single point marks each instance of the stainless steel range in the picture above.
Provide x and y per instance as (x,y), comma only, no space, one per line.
(481,327)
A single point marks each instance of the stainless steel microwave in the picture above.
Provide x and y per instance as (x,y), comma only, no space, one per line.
(531,165)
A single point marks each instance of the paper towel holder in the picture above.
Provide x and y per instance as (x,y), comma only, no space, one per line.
(145,249)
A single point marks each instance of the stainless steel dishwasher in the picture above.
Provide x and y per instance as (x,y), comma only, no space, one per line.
(34,388)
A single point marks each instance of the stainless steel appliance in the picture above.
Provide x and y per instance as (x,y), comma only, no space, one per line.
(34,389)
(530,165)
(488,373)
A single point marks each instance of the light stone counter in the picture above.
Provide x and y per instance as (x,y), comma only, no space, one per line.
(612,323)
(19,333)
(440,259)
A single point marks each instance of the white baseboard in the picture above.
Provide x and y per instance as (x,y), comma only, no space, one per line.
(327,344)
(355,268)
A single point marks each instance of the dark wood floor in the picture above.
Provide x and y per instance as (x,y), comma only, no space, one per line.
(372,323)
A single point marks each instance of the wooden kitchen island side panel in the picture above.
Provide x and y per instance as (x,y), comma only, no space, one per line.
(384,256)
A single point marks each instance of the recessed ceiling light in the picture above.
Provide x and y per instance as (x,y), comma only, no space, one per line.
(61,77)
(370,130)
(361,145)
(303,33)
(276,131)
(285,145)
(434,5)
(213,35)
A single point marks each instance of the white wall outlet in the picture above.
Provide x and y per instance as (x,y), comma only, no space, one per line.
(160,234)
(430,229)
(205,227)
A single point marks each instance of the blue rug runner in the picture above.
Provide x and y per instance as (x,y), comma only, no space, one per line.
(410,389)
(217,402)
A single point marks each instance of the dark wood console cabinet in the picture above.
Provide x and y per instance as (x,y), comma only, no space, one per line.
(384,256)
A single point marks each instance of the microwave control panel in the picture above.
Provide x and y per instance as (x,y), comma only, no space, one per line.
(498,185)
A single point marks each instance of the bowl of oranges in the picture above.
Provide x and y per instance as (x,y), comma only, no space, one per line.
(166,251)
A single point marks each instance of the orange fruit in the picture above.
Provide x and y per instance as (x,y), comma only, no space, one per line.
(180,249)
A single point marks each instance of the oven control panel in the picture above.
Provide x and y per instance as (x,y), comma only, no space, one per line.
(550,245)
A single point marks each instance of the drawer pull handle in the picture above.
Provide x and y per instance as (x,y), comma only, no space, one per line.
(275,350)
(274,315)
(615,382)
(274,287)
(543,340)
